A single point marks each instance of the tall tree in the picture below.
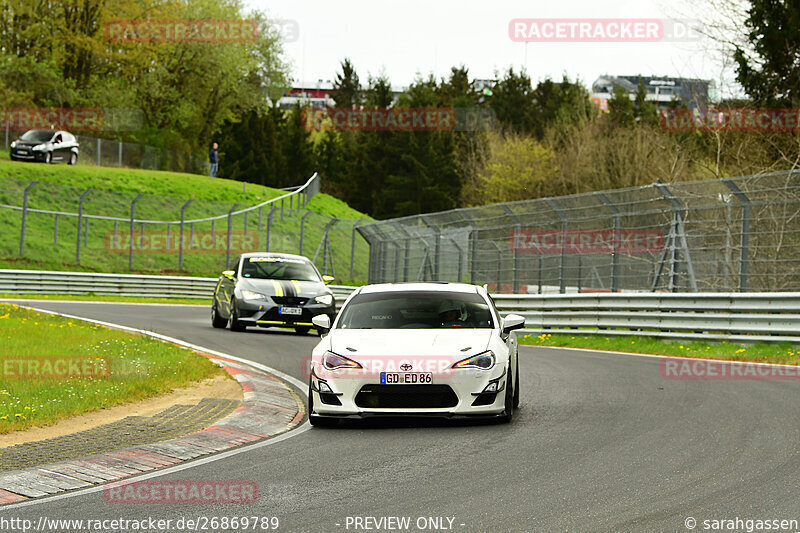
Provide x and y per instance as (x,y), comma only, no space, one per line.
(347,87)
(771,73)
(513,102)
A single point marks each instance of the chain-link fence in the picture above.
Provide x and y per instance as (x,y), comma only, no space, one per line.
(738,234)
(109,231)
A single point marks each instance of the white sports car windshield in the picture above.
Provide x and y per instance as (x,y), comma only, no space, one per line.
(416,310)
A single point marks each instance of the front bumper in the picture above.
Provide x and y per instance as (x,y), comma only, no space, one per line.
(348,399)
(28,155)
(267,314)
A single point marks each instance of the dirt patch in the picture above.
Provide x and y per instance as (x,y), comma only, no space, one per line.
(222,387)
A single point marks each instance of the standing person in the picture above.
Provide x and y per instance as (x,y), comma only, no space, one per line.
(213,159)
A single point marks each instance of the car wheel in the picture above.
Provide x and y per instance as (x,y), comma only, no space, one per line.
(508,404)
(302,330)
(73,159)
(48,157)
(516,385)
(216,320)
(236,324)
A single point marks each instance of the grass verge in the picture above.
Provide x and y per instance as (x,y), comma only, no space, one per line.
(783,352)
(111,368)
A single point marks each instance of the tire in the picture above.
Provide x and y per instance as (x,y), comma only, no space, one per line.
(302,330)
(216,320)
(516,385)
(73,159)
(236,325)
(48,158)
(508,409)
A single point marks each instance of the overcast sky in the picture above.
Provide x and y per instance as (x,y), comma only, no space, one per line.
(407,37)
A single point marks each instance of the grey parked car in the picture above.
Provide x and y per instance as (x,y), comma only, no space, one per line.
(46,146)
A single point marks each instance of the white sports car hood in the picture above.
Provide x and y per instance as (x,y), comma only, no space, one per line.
(408,342)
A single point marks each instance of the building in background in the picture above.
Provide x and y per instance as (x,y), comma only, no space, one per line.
(661,90)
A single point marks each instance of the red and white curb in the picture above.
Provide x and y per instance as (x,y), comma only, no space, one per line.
(270,407)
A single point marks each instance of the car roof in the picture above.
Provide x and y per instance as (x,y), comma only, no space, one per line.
(275,255)
(416,286)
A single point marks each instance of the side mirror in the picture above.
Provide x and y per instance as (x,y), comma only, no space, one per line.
(229,273)
(512,322)
(323,322)
(327,279)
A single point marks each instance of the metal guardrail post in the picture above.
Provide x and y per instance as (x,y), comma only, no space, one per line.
(180,245)
(133,230)
(80,223)
(562,283)
(513,216)
(228,240)
(353,246)
(302,226)
(25,218)
(745,236)
(615,251)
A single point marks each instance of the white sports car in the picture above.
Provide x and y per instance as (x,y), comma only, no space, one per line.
(418,349)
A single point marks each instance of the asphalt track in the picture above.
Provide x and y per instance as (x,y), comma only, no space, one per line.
(601,443)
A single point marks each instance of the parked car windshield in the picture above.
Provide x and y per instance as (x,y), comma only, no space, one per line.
(37,136)
(416,310)
(273,268)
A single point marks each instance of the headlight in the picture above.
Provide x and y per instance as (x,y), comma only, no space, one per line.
(250,295)
(483,361)
(332,361)
(38,148)
(13,144)
(325,299)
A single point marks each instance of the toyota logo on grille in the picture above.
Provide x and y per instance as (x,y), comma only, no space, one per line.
(405,367)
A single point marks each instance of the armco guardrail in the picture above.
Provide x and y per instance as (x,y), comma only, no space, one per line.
(737,317)
(78,283)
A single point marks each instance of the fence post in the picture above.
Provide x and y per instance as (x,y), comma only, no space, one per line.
(562,283)
(353,246)
(25,217)
(55,231)
(228,243)
(745,236)
(114,242)
(98,151)
(259,217)
(180,245)
(678,233)
(281,208)
(119,143)
(513,216)
(245,221)
(86,233)
(269,223)
(616,239)
(80,225)
(133,230)
(302,226)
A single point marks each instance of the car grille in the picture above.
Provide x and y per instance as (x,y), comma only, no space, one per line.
(406,396)
(295,301)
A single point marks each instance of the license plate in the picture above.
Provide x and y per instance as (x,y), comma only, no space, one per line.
(405,378)
(22,152)
(290,310)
